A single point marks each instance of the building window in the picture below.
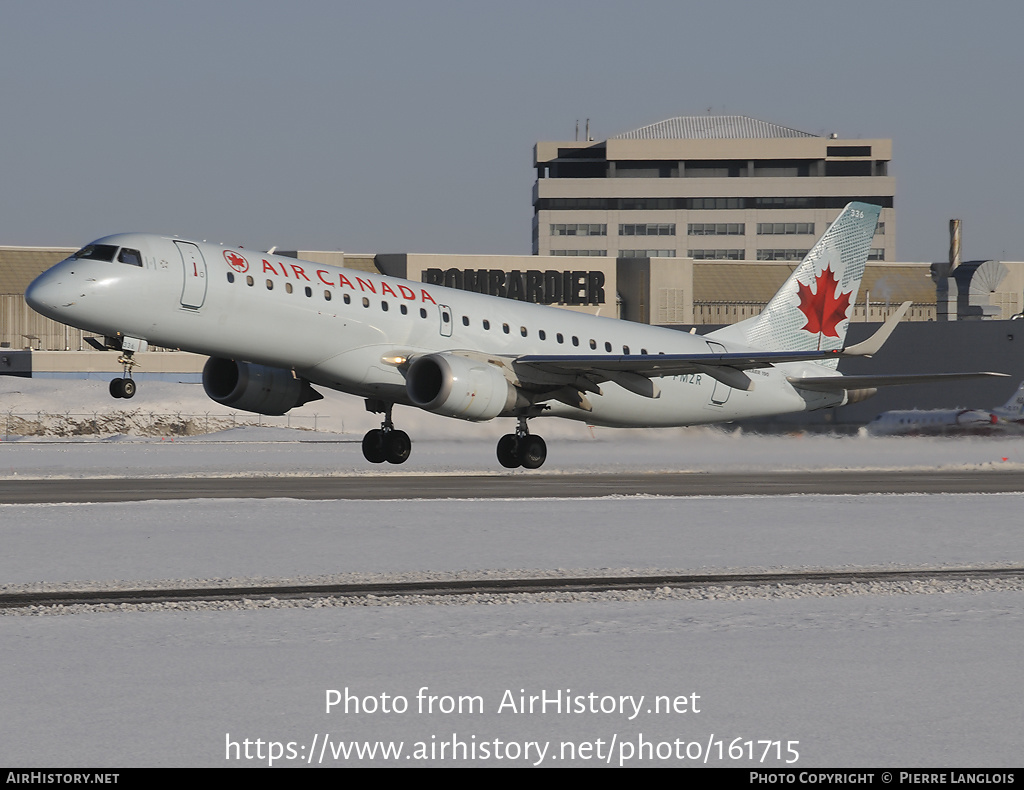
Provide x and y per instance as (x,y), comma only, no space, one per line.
(876,254)
(781,255)
(716,255)
(648,229)
(785,228)
(716,229)
(647,253)
(880,229)
(581,253)
(578,229)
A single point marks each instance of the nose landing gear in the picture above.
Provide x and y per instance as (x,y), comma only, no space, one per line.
(522,448)
(385,443)
(124,387)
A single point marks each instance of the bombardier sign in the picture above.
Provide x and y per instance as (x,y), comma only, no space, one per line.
(532,285)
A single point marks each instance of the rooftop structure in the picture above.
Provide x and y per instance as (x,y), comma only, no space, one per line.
(708,188)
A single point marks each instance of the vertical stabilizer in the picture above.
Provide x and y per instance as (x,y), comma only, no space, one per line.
(812,310)
(1013,408)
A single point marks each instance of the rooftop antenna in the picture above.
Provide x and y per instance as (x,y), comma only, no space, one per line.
(577,130)
(589,138)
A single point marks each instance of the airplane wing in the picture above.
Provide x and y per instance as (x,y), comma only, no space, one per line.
(635,371)
(839,383)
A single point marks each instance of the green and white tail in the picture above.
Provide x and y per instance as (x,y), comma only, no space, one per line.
(812,310)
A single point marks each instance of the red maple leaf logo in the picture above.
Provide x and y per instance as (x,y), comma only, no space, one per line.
(823,309)
(236,261)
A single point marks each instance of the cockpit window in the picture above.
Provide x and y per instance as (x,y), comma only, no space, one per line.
(130,256)
(97,252)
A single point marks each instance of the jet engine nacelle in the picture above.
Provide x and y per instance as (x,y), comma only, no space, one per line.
(460,387)
(256,388)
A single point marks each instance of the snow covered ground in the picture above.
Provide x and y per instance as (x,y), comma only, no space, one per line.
(924,675)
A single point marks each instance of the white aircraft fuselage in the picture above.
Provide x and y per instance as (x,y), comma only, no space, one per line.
(353,331)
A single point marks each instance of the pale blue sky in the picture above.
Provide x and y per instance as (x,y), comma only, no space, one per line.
(409,126)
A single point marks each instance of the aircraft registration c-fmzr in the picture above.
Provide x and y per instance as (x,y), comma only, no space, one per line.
(274,327)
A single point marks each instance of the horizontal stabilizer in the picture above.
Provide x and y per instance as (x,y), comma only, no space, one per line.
(874,343)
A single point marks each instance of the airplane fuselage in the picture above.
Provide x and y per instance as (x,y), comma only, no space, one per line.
(353,331)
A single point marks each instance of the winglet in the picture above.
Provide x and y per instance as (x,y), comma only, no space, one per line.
(873,344)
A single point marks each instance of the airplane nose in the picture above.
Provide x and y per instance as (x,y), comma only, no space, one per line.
(46,293)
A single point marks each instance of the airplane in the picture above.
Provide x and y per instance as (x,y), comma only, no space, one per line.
(275,328)
(1008,418)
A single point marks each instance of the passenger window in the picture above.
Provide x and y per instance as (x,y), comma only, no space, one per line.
(327,296)
(346,298)
(608,347)
(404,309)
(465,320)
(625,350)
(133,257)
(384,306)
(309,291)
(593,343)
(643,351)
(487,324)
(423,312)
(559,338)
(231,277)
(366,302)
(522,331)
(575,340)
(288,287)
(249,280)
(504,328)
(542,334)
(270,285)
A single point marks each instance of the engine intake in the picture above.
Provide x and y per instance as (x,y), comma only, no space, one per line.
(255,388)
(456,386)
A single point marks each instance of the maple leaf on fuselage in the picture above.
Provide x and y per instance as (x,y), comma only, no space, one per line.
(823,309)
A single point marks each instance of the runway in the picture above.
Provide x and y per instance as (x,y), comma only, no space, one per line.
(400,486)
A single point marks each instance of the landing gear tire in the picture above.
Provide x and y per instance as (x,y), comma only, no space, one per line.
(508,455)
(373,446)
(127,388)
(117,388)
(532,451)
(397,446)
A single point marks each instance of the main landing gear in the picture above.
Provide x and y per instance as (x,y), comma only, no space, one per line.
(124,387)
(522,448)
(385,443)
